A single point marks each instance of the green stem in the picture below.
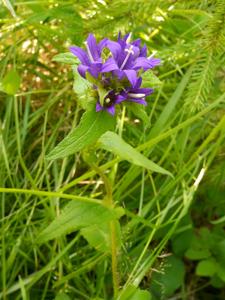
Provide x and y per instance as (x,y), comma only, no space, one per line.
(120,132)
(115,274)
(108,201)
(49,194)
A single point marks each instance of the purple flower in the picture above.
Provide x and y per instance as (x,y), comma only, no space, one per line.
(110,100)
(132,94)
(117,77)
(91,59)
(128,58)
(136,93)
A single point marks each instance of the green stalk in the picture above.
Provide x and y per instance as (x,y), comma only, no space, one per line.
(49,194)
(108,201)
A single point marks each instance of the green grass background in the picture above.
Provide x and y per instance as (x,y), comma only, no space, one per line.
(171,233)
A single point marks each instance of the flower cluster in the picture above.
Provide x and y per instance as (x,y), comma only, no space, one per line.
(115,69)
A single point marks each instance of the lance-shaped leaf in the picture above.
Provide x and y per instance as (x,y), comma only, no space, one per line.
(77,215)
(92,125)
(99,236)
(112,142)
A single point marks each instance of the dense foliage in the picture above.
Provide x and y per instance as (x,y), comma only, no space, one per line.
(160,175)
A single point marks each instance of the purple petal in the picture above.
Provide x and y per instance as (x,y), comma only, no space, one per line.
(102,44)
(136,43)
(82,70)
(154,61)
(122,44)
(145,63)
(111,110)
(139,101)
(81,54)
(131,76)
(98,107)
(143,51)
(120,98)
(119,74)
(126,37)
(142,62)
(146,91)
(109,65)
(114,48)
(94,70)
(92,45)
(136,51)
(138,83)
(130,61)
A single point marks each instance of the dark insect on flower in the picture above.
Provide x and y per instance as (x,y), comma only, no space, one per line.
(118,77)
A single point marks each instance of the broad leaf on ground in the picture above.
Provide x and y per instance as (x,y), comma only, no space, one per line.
(207,267)
(170,279)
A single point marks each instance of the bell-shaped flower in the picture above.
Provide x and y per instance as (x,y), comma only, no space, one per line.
(127,59)
(110,100)
(90,59)
(132,94)
(116,78)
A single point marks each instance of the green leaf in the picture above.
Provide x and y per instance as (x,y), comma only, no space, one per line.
(102,94)
(200,245)
(221,272)
(92,79)
(66,58)
(92,125)
(181,242)
(101,91)
(133,293)
(110,141)
(196,254)
(139,111)
(74,216)
(150,80)
(171,277)
(219,252)
(206,268)
(217,282)
(80,85)
(11,82)
(99,236)
(82,88)
(62,296)
(141,295)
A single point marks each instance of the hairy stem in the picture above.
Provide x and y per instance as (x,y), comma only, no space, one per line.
(108,201)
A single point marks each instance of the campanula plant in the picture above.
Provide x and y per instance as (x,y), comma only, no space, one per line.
(114,71)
